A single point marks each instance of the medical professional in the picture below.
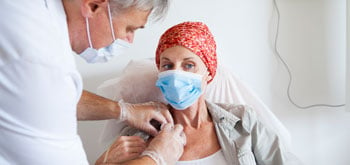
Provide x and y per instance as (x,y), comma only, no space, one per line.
(41,94)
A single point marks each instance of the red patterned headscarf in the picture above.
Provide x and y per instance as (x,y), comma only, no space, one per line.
(196,37)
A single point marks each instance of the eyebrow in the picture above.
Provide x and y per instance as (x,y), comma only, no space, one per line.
(165,58)
(188,58)
(135,27)
(185,59)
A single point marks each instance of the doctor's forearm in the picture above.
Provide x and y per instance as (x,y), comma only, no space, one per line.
(94,107)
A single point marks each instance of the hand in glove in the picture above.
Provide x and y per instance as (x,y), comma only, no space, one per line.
(142,116)
(123,149)
(167,147)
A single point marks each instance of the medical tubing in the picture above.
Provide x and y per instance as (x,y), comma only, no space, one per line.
(289,71)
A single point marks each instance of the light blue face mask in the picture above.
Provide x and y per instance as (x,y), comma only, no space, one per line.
(180,89)
(116,48)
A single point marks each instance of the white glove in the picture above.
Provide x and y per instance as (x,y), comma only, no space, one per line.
(167,147)
(142,116)
(123,149)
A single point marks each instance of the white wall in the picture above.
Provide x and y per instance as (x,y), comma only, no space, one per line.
(312,41)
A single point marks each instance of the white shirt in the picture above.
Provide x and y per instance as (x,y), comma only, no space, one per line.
(215,159)
(39,86)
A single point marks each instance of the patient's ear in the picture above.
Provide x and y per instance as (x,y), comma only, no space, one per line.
(209,77)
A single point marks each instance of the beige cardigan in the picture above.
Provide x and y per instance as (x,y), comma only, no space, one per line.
(243,139)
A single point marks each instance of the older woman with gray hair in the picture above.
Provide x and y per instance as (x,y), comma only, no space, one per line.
(41,89)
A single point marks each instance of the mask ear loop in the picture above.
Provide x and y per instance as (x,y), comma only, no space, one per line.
(110,24)
(88,31)
(110,20)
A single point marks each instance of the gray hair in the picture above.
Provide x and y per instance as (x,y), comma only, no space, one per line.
(159,7)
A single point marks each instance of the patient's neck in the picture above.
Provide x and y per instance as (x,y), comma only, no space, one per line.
(193,116)
(199,129)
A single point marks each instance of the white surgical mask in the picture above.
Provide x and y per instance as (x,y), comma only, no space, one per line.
(116,48)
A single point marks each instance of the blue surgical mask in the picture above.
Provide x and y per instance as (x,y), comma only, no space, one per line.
(116,48)
(181,89)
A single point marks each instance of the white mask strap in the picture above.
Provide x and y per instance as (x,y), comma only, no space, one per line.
(110,20)
(110,23)
(88,31)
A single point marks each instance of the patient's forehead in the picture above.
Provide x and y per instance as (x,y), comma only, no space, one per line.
(180,53)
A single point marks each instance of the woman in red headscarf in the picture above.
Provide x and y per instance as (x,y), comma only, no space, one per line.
(216,133)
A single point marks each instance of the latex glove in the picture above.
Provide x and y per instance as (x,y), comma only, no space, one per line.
(141,115)
(123,149)
(167,147)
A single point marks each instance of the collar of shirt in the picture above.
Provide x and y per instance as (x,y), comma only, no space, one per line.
(219,114)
